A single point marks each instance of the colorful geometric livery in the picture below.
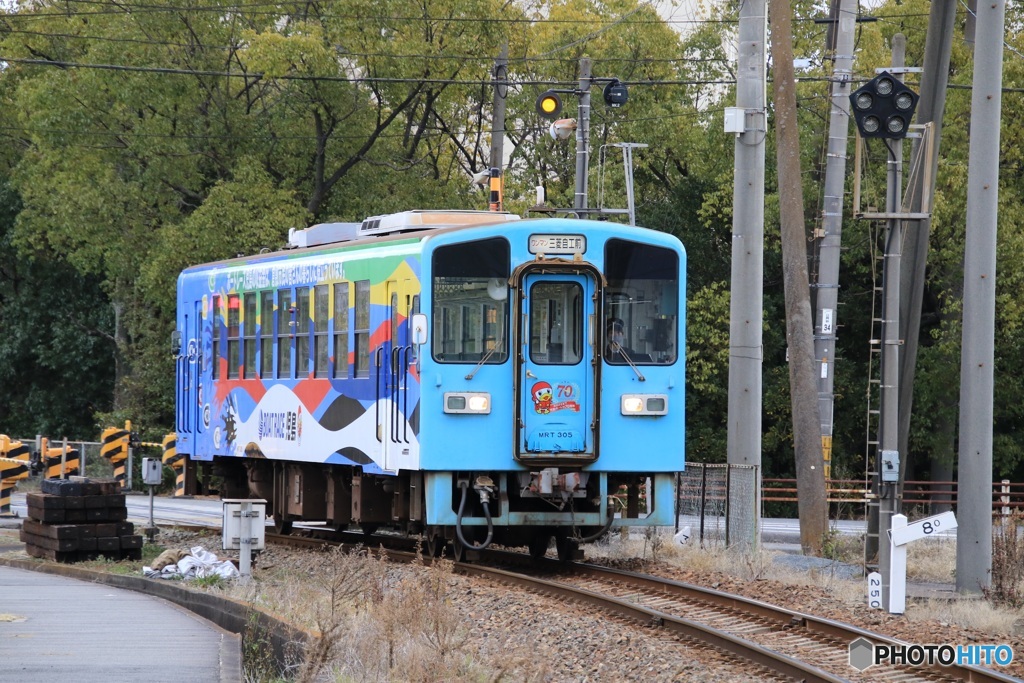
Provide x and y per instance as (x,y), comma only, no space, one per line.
(467,376)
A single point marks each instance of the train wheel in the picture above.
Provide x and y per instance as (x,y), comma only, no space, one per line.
(368,529)
(281,525)
(433,544)
(539,545)
(458,551)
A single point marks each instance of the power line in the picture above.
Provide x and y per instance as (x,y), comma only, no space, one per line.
(381,55)
(246,9)
(338,79)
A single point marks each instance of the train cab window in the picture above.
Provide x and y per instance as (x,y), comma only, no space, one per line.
(285,315)
(234,336)
(249,334)
(470,294)
(641,302)
(556,323)
(266,334)
(302,328)
(321,313)
(341,330)
(215,332)
(362,329)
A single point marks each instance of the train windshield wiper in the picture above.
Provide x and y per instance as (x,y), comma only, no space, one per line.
(486,356)
(629,361)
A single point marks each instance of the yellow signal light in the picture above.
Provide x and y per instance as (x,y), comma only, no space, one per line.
(549,105)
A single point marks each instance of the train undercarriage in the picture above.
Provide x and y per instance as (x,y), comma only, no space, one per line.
(466,510)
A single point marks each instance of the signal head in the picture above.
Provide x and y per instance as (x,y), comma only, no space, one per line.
(549,105)
(883,99)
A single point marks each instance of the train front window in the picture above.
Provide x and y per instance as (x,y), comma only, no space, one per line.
(641,304)
(556,323)
(470,292)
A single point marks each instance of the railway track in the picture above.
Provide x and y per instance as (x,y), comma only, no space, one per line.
(778,642)
(772,636)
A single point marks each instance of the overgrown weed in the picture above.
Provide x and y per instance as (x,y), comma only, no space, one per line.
(1008,561)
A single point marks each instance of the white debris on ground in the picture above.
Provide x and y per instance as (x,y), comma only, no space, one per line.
(200,563)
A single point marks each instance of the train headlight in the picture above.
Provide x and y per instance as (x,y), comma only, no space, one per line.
(644,404)
(467,402)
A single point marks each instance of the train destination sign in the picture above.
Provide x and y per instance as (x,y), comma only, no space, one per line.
(558,244)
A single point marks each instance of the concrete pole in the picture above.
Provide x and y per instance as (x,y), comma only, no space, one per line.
(888,432)
(827,314)
(583,138)
(746,302)
(500,78)
(974,494)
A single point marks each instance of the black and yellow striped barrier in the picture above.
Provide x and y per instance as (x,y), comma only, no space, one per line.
(58,463)
(14,459)
(10,472)
(176,461)
(16,450)
(114,447)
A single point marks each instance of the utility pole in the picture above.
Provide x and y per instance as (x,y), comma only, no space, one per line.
(827,298)
(500,78)
(810,475)
(583,138)
(974,494)
(934,79)
(746,306)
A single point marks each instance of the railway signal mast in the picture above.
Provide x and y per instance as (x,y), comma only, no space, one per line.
(882,109)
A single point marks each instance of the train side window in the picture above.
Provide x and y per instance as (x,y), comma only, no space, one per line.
(302,327)
(321,313)
(470,298)
(341,330)
(249,334)
(362,328)
(215,331)
(642,298)
(234,336)
(285,313)
(266,334)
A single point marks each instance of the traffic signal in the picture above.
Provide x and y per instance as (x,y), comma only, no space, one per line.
(883,107)
(549,105)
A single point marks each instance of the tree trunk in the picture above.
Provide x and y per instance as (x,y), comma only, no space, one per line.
(810,473)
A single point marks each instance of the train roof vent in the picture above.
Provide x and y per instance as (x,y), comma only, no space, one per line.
(408,221)
(322,233)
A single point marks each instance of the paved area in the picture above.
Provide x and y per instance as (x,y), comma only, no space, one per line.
(54,628)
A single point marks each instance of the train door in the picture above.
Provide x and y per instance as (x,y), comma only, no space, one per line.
(393,423)
(556,373)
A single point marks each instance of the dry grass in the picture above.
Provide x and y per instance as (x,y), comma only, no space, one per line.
(932,559)
(974,614)
(374,621)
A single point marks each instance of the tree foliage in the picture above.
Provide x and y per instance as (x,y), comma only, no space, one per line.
(141,139)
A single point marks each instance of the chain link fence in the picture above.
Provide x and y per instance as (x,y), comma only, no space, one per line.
(718,503)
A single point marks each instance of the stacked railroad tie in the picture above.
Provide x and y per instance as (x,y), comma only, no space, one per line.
(79,519)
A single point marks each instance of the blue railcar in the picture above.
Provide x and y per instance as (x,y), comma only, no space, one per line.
(465,375)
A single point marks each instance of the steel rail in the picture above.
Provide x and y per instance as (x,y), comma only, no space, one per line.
(774,661)
(785,618)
